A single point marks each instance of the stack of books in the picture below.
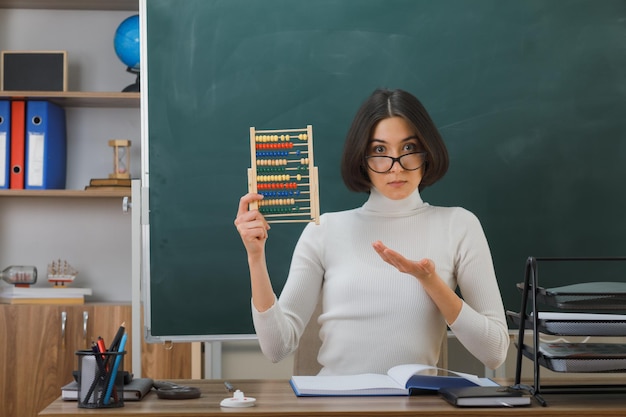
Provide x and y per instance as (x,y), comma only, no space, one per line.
(10,294)
(109,184)
(133,391)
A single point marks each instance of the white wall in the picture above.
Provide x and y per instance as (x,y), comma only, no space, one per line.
(86,35)
(244,360)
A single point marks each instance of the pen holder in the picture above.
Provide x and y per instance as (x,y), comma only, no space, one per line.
(100,379)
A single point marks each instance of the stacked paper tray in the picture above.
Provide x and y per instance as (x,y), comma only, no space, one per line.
(589,296)
(586,324)
(583,357)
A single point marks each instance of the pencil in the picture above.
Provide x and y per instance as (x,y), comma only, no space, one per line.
(118,336)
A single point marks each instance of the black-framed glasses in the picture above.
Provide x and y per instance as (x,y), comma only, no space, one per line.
(409,161)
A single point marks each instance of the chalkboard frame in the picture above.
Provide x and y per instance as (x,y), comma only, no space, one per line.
(510,110)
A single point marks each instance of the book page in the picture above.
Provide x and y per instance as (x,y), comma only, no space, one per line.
(402,373)
(345,382)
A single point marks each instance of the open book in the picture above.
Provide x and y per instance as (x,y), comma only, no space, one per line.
(399,380)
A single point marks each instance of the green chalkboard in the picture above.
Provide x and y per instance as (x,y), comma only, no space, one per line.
(529,95)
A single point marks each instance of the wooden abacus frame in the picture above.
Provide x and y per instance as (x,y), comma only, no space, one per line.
(286,156)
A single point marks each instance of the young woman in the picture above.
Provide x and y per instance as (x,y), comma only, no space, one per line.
(386,271)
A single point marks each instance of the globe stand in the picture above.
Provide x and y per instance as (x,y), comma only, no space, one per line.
(132,88)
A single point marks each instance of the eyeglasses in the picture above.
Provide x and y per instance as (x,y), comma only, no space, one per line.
(382,164)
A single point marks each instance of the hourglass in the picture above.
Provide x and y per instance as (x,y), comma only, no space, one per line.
(121,158)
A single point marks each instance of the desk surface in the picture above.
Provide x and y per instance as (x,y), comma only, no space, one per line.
(276,398)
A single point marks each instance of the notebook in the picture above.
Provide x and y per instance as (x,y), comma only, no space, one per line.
(484,397)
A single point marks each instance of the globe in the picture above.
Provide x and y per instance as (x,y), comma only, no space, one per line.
(126,42)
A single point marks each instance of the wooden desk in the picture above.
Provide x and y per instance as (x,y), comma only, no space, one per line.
(276,398)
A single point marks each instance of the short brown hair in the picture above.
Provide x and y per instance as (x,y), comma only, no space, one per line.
(382,104)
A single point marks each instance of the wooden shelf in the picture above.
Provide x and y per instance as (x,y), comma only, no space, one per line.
(79,98)
(66,193)
(131,5)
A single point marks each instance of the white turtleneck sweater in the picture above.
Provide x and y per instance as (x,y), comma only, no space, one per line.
(375,317)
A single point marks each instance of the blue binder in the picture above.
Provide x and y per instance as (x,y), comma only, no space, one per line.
(46,146)
(5,135)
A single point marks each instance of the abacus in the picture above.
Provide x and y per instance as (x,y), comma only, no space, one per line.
(283,171)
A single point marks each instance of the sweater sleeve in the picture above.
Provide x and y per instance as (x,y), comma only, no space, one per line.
(481,325)
(279,328)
